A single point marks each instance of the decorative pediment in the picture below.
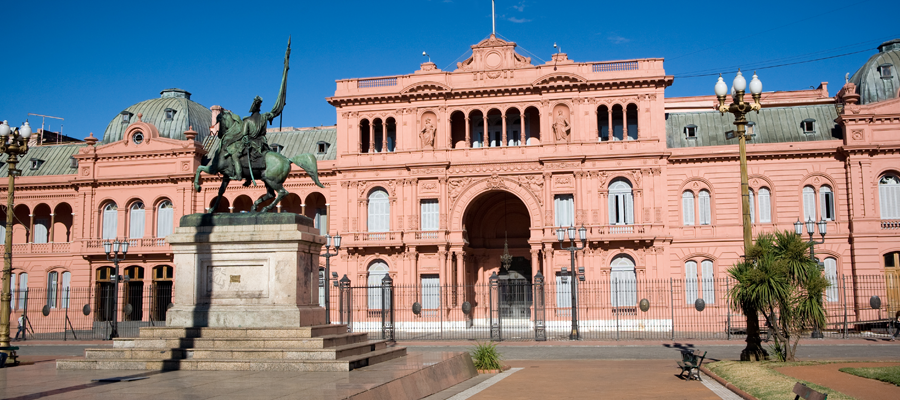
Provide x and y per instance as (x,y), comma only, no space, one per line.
(425,87)
(494,54)
(559,78)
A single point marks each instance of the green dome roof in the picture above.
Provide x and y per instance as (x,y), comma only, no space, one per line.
(172,114)
(879,78)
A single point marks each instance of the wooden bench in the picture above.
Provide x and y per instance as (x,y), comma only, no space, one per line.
(805,392)
(690,363)
(11,354)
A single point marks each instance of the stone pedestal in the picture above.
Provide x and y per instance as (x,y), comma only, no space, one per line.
(248,270)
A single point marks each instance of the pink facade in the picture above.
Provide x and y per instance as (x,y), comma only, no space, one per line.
(419,189)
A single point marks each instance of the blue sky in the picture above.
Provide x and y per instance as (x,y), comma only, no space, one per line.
(87,61)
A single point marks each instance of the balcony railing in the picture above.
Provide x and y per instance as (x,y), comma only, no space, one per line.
(133,244)
(615,66)
(376,236)
(620,229)
(40,248)
(890,224)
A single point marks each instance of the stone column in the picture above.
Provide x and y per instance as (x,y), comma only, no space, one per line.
(371,136)
(468,133)
(485,133)
(609,125)
(535,261)
(625,122)
(503,140)
(579,199)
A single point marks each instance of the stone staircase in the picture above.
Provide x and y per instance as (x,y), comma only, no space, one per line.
(313,348)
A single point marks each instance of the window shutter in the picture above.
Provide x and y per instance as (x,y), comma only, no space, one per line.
(376,273)
(379,212)
(431,292)
(826,199)
(563,292)
(831,293)
(40,230)
(136,223)
(629,208)
(889,199)
(564,207)
(429,210)
(687,207)
(809,204)
(708,281)
(705,213)
(64,291)
(752,207)
(110,225)
(765,206)
(611,203)
(690,282)
(322,283)
(23,289)
(52,281)
(3,228)
(623,282)
(164,218)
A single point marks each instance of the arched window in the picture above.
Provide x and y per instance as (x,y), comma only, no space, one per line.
(831,293)
(690,281)
(379,211)
(165,214)
(752,207)
(377,270)
(136,218)
(889,197)
(708,281)
(826,199)
(765,205)
(621,203)
(705,209)
(41,230)
(623,281)
(631,121)
(687,207)
(52,289)
(110,221)
(64,289)
(809,203)
(23,289)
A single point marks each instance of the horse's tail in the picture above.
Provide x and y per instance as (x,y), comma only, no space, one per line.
(307,161)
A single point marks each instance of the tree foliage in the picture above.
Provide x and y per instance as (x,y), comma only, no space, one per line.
(781,281)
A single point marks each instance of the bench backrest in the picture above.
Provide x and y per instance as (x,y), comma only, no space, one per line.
(805,392)
(699,356)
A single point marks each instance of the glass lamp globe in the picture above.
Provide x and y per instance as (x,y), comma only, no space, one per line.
(798,227)
(4,129)
(572,232)
(739,84)
(721,87)
(755,85)
(25,130)
(560,234)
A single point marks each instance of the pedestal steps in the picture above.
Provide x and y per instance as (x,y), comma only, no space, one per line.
(316,348)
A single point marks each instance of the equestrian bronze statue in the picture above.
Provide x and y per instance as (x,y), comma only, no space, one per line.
(243,152)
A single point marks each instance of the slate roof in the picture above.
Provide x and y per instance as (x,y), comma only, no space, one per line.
(297,141)
(188,114)
(773,125)
(870,86)
(56,160)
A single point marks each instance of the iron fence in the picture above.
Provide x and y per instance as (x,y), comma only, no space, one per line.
(856,306)
(89,313)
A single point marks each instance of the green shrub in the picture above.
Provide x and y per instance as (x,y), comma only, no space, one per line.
(485,356)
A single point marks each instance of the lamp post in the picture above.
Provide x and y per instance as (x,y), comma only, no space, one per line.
(740,109)
(572,248)
(810,229)
(14,143)
(112,254)
(328,254)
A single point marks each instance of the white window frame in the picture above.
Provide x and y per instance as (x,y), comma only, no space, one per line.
(110,221)
(41,230)
(379,211)
(704,204)
(564,210)
(623,281)
(831,292)
(137,217)
(809,203)
(708,281)
(889,196)
(621,203)
(52,288)
(431,291)
(687,208)
(376,272)
(165,217)
(752,206)
(826,200)
(430,213)
(691,284)
(765,205)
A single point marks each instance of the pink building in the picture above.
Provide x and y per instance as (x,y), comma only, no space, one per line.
(431,176)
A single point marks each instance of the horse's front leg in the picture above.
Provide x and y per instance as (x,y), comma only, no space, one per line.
(215,204)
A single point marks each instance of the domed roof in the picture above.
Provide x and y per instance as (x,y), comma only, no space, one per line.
(172,114)
(879,78)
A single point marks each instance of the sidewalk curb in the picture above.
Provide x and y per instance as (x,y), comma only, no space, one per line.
(729,386)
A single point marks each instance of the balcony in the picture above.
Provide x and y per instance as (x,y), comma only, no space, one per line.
(622,232)
(892,224)
(364,238)
(144,245)
(40,248)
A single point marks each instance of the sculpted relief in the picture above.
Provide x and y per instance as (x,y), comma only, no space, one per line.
(561,126)
(428,131)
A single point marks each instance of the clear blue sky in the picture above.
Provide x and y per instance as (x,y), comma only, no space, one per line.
(88,60)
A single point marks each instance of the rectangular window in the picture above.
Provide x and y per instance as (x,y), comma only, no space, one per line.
(431,292)
(64,289)
(809,204)
(564,291)
(52,281)
(765,206)
(687,208)
(23,289)
(705,211)
(690,282)
(40,230)
(827,202)
(430,215)
(564,208)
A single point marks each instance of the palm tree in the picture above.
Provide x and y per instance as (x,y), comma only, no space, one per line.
(778,279)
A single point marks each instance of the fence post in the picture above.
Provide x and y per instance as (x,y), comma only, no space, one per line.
(540,330)
(672,304)
(387,308)
(616,304)
(346,308)
(844,300)
(494,306)
(25,320)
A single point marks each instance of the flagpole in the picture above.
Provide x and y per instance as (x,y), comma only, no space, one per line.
(493,20)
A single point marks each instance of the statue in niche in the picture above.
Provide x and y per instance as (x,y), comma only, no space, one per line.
(561,128)
(427,134)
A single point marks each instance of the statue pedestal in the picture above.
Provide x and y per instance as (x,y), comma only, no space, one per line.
(248,270)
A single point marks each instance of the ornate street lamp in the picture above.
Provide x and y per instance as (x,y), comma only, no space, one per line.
(14,143)
(112,254)
(579,275)
(740,109)
(328,254)
(810,229)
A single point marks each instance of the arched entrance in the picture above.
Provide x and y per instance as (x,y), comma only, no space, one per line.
(497,223)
